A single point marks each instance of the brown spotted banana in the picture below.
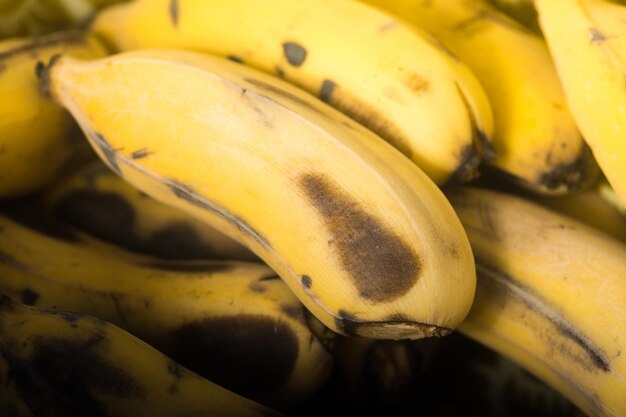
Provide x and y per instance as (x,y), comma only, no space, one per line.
(39,140)
(98,202)
(388,76)
(363,237)
(56,363)
(234,323)
(550,296)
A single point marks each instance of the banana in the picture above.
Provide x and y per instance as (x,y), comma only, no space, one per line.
(522,11)
(608,194)
(363,237)
(38,138)
(369,65)
(535,139)
(101,204)
(234,323)
(550,296)
(587,40)
(64,364)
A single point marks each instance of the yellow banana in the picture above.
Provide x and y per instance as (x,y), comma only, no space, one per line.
(587,40)
(369,65)
(522,11)
(38,138)
(235,323)
(98,202)
(550,296)
(65,364)
(363,237)
(535,138)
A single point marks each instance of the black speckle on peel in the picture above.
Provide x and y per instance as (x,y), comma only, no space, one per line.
(29,297)
(108,152)
(141,153)
(306,281)
(235,58)
(381,264)
(38,221)
(326,91)
(295,53)
(174,12)
(249,354)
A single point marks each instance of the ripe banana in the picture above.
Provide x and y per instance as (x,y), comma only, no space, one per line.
(522,11)
(101,204)
(363,237)
(374,68)
(38,138)
(57,363)
(550,296)
(536,140)
(234,323)
(587,40)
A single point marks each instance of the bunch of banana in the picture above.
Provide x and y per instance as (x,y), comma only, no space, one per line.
(55,363)
(361,235)
(535,138)
(374,68)
(235,323)
(550,296)
(98,202)
(39,140)
(587,41)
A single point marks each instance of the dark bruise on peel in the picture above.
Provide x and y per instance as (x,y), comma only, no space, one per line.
(326,91)
(252,355)
(295,53)
(40,222)
(587,355)
(468,167)
(29,297)
(174,12)
(382,266)
(187,194)
(306,281)
(573,176)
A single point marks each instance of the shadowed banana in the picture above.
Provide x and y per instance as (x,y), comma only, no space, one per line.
(38,138)
(587,40)
(374,68)
(362,236)
(56,363)
(98,202)
(522,11)
(550,296)
(235,323)
(536,140)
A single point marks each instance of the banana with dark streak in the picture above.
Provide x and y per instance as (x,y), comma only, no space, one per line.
(363,237)
(384,74)
(234,323)
(550,296)
(61,364)
(38,138)
(98,202)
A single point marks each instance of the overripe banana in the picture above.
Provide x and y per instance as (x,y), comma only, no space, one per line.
(535,139)
(587,40)
(98,202)
(57,363)
(550,296)
(234,323)
(362,236)
(367,64)
(38,138)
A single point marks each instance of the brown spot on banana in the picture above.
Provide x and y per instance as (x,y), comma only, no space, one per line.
(381,264)
(326,90)
(295,53)
(572,177)
(595,36)
(174,12)
(416,83)
(141,153)
(29,297)
(235,58)
(306,281)
(252,355)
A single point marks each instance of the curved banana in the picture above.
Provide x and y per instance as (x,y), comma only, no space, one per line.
(536,140)
(374,68)
(362,236)
(38,138)
(234,323)
(550,296)
(587,40)
(98,202)
(63,364)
